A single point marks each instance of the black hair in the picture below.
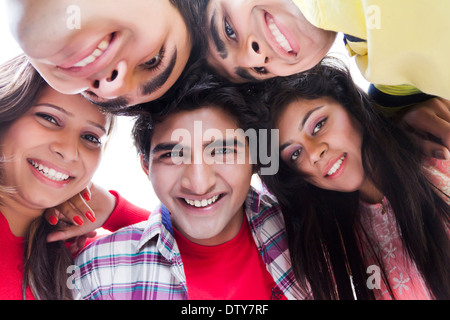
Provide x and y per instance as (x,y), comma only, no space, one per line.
(323,225)
(199,88)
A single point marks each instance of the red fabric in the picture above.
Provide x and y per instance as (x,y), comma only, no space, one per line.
(12,247)
(230,271)
(11,264)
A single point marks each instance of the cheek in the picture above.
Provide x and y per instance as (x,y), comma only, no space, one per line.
(59,82)
(91,162)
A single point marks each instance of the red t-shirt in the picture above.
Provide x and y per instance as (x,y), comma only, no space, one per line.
(11,264)
(12,247)
(233,270)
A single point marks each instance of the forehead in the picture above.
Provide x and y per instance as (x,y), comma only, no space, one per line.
(194,122)
(73,104)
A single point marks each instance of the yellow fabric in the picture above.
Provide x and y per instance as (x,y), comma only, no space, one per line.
(407,40)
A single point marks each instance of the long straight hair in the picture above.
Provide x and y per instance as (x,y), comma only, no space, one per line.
(322,225)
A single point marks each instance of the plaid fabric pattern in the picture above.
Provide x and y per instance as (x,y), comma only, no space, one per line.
(143,261)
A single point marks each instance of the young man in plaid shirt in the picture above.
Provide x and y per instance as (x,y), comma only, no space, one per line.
(213,236)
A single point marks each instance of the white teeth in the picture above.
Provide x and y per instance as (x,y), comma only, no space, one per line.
(336,166)
(279,37)
(49,173)
(93,56)
(201,203)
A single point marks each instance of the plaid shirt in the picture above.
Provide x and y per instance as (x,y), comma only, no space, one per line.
(143,261)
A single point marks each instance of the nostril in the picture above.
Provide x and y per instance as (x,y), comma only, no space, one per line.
(113,76)
(255,47)
(96,84)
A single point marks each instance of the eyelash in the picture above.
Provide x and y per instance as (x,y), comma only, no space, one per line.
(321,123)
(158,58)
(227,29)
(91,139)
(47,117)
(260,70)
(293,154)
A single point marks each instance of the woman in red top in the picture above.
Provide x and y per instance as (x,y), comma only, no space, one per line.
(50,147)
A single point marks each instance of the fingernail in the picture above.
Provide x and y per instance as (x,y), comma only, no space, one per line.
(53,220)
(78,220)
(86,196)
(90,216)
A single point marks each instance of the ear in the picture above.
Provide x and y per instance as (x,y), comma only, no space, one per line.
(144,164)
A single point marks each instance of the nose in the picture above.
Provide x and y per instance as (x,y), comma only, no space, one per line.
(255,54)
(113,84)
(317,151)
(66,146)
(198,179)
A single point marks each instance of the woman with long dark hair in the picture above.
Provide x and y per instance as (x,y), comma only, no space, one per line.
(50,147)
(366,216)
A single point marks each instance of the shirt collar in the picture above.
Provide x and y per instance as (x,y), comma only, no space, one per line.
(159,225)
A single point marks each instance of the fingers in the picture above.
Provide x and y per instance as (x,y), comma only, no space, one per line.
(77,210)
(432,117)
(434,150)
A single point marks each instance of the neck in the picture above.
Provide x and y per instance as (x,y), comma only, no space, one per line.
(19,217)
(369,193)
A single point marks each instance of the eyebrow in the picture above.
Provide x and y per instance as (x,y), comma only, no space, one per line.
(302,124)
(157,82)
(244,74)
(228,142)
(116,103)
(54,107)
(163,147)
(308,114)
(70,114)
(218,42)
(215,143)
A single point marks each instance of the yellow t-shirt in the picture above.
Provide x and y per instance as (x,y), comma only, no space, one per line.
(407,41)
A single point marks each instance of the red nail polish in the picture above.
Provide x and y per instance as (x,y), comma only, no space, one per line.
(53,220)
(78,220)
(86,196)
(90,216)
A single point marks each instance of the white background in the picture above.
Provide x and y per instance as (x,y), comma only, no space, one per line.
(120,169)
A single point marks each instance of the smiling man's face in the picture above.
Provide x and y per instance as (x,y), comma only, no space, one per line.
(122,52)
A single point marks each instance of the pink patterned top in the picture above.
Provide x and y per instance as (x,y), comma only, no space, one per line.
(404,279)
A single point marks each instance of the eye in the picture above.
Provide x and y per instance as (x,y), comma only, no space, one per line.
(295,155)
(222,151)
(229,31)
(92,139)
(319,126)
(154,62)
(260,70)
(47,117)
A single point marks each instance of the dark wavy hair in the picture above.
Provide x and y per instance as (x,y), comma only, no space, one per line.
(198,88)
(323,225)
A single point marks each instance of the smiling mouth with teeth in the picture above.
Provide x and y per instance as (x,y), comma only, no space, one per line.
(336,166)
(51,174)
(96,53)
(202,203)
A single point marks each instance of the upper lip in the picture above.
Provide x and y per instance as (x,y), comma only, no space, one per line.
(99,65)
(331,163)
(201,197)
